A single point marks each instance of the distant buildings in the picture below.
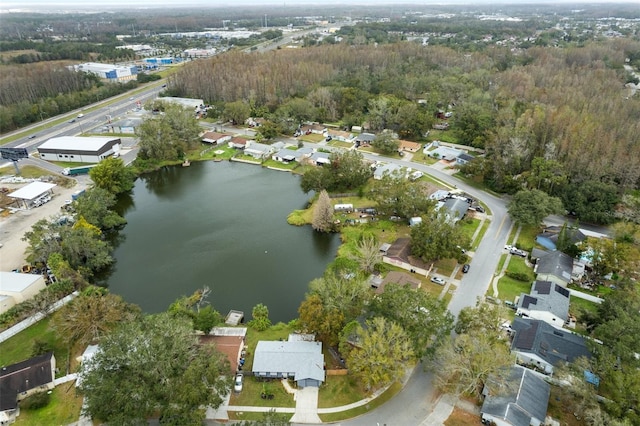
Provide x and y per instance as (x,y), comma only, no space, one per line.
(114,73)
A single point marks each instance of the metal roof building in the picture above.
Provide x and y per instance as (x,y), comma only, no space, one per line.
(79,149)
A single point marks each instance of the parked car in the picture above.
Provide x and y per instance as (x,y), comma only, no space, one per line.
(237,384)
(480,209)
(518,252)
(509,247)
(465,268)
(437,280)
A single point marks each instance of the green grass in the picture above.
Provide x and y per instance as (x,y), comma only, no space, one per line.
(340,390)
(503,258)
(342,415)
(279,165)
(421,158)
(445,266)
(340,144)
(315,138)
(63,408)
(469,226)
(527,237)
(578,305)
(19,347)
(252,388)
(508,288)
(518,265)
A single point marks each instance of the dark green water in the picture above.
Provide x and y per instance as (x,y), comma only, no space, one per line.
(222,225)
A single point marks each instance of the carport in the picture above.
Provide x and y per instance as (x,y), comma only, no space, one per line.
(28,194)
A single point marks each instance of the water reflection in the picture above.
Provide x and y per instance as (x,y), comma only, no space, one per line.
(222,225)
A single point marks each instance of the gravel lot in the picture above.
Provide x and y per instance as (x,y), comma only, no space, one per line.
(14,226)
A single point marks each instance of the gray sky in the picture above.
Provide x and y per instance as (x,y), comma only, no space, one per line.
(84,4)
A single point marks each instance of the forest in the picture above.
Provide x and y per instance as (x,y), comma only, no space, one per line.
(561,118)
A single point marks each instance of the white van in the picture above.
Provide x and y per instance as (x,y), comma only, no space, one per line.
(80,115)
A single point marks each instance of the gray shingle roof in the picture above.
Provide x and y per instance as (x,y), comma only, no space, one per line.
(302,359)
(556,263)
(546,296)
(544,340)
(525,396)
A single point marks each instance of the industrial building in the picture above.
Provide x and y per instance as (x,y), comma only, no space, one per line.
(114,73)
(79,149)
(195,104)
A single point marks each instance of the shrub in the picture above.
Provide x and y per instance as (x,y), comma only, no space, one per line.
(519,276)
(35,401)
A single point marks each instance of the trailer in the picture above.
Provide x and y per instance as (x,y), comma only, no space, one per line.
(72,171)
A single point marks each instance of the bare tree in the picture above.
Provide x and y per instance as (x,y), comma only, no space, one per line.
(323,213)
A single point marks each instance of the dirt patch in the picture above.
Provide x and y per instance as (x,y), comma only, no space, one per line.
(462,418)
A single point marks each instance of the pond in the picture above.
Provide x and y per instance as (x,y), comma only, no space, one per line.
(221,225)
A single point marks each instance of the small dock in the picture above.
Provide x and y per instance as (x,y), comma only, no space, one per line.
(234,317)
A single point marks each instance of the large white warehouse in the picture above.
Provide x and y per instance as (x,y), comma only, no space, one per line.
(79,149)
(108,71)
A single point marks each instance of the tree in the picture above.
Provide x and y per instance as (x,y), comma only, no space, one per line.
(424,318)
(462,365)
(380,353)
(237,112)
(154,366)
(591,201)
(166,137)
(92,315)
(394,194)
(349,169)
(84,248)
(437,238)
(316,179)
(367,254)
(112,175)
(204,318)
(323,213)
(269,130)
(260,314)
(95,206)
(325,322)
(346,294)
(530,207)
(386,143)
(482,318)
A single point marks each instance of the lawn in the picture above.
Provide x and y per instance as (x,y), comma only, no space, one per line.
(63,408)
(19,347)
(518,265)
(527,237)
(469,226)
(445,266)
(342,415)
(280,165)
(508,288)
(252,388)
(312,137)
(341,144)
(340,390)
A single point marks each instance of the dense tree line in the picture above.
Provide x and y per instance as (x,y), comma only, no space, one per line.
(42,90)
(557,120)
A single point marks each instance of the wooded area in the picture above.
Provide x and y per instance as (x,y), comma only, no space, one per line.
(565,108)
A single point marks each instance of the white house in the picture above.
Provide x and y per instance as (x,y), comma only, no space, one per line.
(547,301)
(79,149)
(257,150)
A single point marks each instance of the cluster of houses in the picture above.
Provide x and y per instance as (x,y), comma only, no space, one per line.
(541,336)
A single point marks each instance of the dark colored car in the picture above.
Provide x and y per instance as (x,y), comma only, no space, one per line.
(480,209)
(465,268)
